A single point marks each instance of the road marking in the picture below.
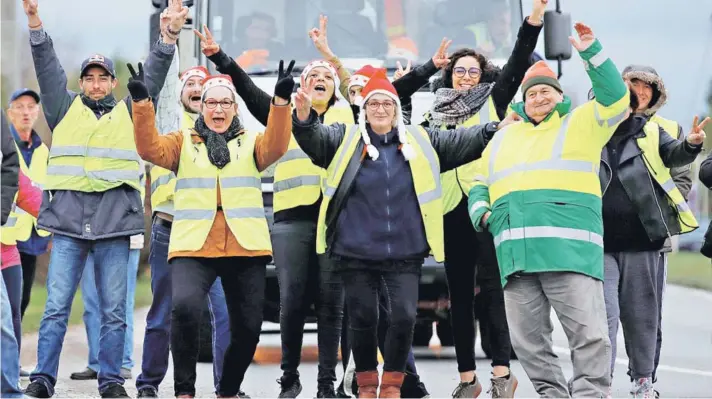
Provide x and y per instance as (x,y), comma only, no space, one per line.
(662,367)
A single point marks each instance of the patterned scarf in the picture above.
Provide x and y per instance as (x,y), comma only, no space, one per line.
(453,107)
(216,143)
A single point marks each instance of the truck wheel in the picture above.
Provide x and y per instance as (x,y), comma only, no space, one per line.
(422,333)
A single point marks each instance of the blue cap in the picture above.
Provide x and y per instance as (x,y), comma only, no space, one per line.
(100,61)
(24,92)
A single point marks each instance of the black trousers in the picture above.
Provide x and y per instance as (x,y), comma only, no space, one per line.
(362,301)
(29,264)
(243,281)
(471,257)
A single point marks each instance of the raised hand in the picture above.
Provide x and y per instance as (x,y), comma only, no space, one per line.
(31,10)
(586,37)
(137,85)
(285,82)
(177,14)
(697,135)
(318,36)
(303,102)
(440,59)
(538,9)
(208,45)
(400,71)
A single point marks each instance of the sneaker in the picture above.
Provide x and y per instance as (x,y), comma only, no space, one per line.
(471,389)
(291,387)
(114,390)
(86,374)
(243,395)
(126,374)
(37,389)
(325,391)
(642,388)
(503,387)
(147,392)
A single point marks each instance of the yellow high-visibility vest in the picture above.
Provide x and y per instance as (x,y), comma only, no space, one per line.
(650,145)
(297,181)
(93,155)
(671,127)
(163,181)
(195,197)
(37,172)
(8,231)
(425,168)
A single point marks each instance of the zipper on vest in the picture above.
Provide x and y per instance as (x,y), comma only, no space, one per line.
(662,217)
(388,196)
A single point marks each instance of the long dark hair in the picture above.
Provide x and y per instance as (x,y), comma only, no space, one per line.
(489,71)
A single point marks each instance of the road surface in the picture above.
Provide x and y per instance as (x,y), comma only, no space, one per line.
(685,371)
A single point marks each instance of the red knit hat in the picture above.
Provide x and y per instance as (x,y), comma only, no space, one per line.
(379,84)
(218,81)
(538,74)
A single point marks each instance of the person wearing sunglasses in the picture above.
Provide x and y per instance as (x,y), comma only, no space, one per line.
(472,91)
(219,227)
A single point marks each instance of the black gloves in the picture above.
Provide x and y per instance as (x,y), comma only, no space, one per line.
(137,86)
(285,83)
(706,249)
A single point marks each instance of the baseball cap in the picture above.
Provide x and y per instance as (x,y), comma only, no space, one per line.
(100,61)
(24,92)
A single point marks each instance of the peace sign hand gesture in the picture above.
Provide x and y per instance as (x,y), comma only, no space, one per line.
(318,36)
(697,135)
(285,82)
(303,102)
(400,71)
(137,85)
(440,59)
(208,45)
(586,37)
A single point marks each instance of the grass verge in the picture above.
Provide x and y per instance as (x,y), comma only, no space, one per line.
(33,315)
(690,269)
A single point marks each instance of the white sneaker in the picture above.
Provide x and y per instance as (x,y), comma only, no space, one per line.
(642,388)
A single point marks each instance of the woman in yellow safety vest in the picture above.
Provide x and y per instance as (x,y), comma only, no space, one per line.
(472,91)
(381,214)
(219,227)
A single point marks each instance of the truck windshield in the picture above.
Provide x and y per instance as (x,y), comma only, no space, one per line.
(379,32)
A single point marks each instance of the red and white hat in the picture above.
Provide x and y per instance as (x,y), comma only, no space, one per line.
(218,81)
(320,63)
(379,84)
(199,71)
(360,78)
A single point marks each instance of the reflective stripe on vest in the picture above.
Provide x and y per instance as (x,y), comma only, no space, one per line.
(425,169)
(8,231)
(195,197)
(521,233)
(93,155)
(650,144)
(37,173)
(297,181)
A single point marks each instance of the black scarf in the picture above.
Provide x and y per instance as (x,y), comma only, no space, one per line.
(100,107)
(216,143)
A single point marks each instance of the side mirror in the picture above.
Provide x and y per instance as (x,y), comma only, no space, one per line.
(557,29)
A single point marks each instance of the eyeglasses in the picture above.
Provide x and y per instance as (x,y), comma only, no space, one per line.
(473,72)
(374,105)
(224,104)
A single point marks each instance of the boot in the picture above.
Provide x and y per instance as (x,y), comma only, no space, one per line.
(391,384)
(367,384)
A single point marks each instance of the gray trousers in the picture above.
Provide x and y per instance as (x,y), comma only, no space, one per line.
(631,292)
(578,302)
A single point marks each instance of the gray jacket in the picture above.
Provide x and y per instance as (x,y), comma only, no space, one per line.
(91,216)
(320,142)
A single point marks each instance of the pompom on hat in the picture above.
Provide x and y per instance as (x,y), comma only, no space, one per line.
(379,84)
(360,78)
(218,81)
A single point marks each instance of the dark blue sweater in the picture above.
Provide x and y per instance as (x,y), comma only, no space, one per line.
(381,214)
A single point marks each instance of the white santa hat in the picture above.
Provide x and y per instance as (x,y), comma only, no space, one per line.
(324,64)
(360,78)
(218,81)
(379,84)
(199,71)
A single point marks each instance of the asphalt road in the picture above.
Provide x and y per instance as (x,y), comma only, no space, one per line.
(685,371)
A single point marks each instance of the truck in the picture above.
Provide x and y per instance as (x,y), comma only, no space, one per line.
(360,32)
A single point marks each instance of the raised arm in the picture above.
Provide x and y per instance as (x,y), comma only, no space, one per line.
(321,43)
(256,99)
(164,150)
(681,175)
(412,81)
(509,79)
(52,79)
(675,153)
(169,112)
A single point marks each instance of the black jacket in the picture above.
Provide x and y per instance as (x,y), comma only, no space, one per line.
(453,147)
(658,217)
(10,168)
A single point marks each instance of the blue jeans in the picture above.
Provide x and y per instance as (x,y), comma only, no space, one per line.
(66,265)
(92,314)
(9,352)
(158,321)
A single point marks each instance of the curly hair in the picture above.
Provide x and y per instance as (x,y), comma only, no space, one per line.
(489,70)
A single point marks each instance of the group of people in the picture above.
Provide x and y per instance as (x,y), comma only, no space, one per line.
(544,205)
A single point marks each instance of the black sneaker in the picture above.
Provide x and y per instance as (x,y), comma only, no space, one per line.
(147,392)
(114,390)
(291,387)
(37,389)
(86,374)
(326,391)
